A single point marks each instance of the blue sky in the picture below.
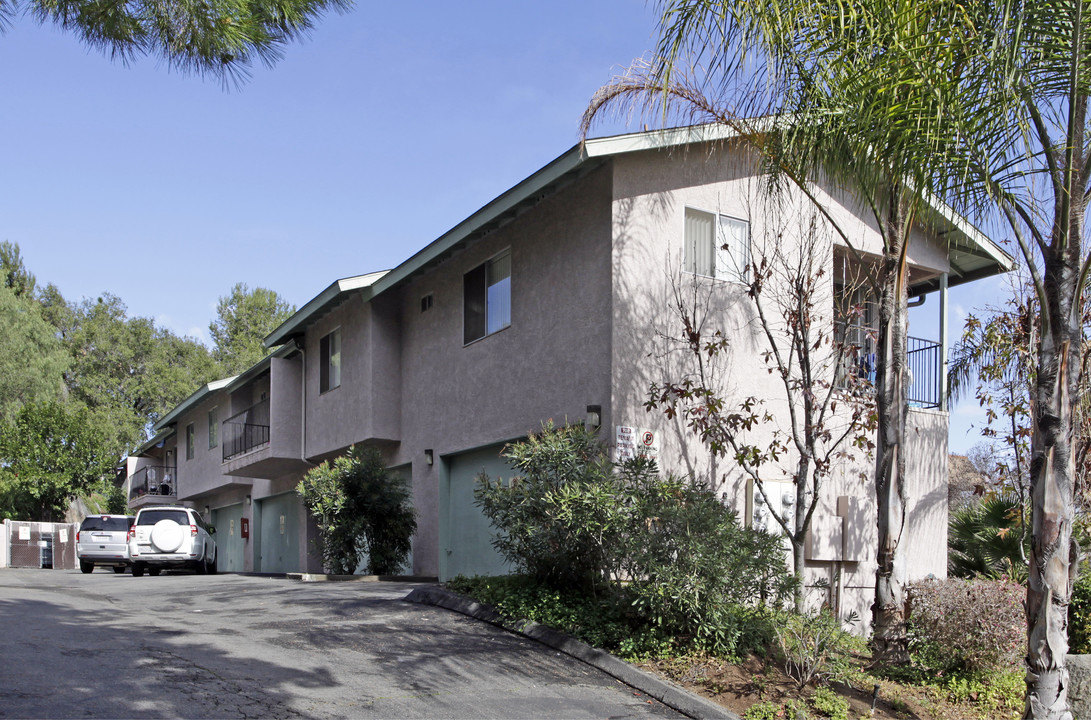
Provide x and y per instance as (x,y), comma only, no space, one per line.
(383,129)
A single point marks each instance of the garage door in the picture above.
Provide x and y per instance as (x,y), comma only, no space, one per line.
(278,524)
(465,534)
(230,544)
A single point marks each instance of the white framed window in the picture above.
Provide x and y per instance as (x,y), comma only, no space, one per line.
(330,349)
(717,246)
(486,298)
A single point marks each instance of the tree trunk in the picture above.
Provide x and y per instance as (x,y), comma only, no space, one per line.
(890,645)
(1054,556)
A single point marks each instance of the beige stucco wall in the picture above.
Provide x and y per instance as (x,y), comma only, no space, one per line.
(552,362)
(203,473)
(651,191)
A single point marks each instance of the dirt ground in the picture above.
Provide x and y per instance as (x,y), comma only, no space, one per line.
(737,687)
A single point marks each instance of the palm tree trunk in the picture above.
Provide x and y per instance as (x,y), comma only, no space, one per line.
(890,644)
(1054,556)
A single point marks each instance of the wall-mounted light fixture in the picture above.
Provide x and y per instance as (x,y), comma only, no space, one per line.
(248,501)
(593,419)
(428,456)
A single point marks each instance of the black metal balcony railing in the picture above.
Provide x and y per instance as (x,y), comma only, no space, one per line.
(158,480)
(922,359)
(246,431)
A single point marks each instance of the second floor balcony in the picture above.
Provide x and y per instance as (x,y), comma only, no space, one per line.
(924,362)
(262,441)
(246,431)
(156,483)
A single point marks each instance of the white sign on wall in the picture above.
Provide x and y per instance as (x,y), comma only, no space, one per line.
(24,532)
(630,442)
(64,534)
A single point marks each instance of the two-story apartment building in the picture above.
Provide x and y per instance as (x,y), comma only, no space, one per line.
(553,301)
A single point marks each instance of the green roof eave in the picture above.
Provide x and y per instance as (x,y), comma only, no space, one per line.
(318,305)
(571,164)
(200,394)
(157,439)
(504,207)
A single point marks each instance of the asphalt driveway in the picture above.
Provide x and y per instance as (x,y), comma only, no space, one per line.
(182,645)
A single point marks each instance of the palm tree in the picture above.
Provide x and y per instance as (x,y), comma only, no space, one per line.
(989,540)
(217,39)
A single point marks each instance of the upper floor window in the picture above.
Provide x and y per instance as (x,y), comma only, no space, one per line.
(213,427)
(486,298)
(717,246)
(330,350)
(190,441)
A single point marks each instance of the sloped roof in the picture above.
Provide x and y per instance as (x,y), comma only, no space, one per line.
(972,254)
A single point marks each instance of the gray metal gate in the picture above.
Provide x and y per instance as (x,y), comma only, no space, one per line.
(42,545)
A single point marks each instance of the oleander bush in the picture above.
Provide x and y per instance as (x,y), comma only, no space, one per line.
(967,627)
(573,521)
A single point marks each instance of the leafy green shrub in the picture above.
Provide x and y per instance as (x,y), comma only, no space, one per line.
(790,710)
(830,704)
(967,626)
(574,521)
(1079,617)
(814,647)
(764,710)
(362,509)
(559,520)
(692,563)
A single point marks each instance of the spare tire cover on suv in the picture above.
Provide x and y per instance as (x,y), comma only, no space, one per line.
(167,536)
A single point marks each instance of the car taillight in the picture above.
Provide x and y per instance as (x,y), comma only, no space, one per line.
(77,536)
(129,535)
(193,530)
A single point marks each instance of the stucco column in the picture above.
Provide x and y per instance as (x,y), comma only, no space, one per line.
(943,341)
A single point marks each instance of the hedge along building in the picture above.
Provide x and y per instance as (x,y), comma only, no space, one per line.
(550,302)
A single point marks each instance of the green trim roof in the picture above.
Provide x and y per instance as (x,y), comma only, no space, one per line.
(972,254)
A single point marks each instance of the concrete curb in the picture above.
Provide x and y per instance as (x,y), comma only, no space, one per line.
(668,693)
(321,577)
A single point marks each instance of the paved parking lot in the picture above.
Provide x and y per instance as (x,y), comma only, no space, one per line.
(182,645)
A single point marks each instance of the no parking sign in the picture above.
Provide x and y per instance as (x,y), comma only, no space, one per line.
(631,442)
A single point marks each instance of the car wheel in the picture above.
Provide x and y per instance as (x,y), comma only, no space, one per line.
(86,567)
(119,569)
(212,569)
(201,566)
(138,569)
(154,572)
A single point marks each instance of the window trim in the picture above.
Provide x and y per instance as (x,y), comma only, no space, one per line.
(484,266)
(325,357)
(734,276)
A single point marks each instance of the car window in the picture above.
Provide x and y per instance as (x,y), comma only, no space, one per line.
(151,517)
(105,524)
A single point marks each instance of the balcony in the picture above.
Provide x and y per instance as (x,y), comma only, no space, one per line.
(246,432)
(922,359)
(156,482)
(263,441)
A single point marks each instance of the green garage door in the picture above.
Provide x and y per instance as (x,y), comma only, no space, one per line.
(278,530)
(465,534)
(230,544)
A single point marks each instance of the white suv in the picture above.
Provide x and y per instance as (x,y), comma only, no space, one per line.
(171,536)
